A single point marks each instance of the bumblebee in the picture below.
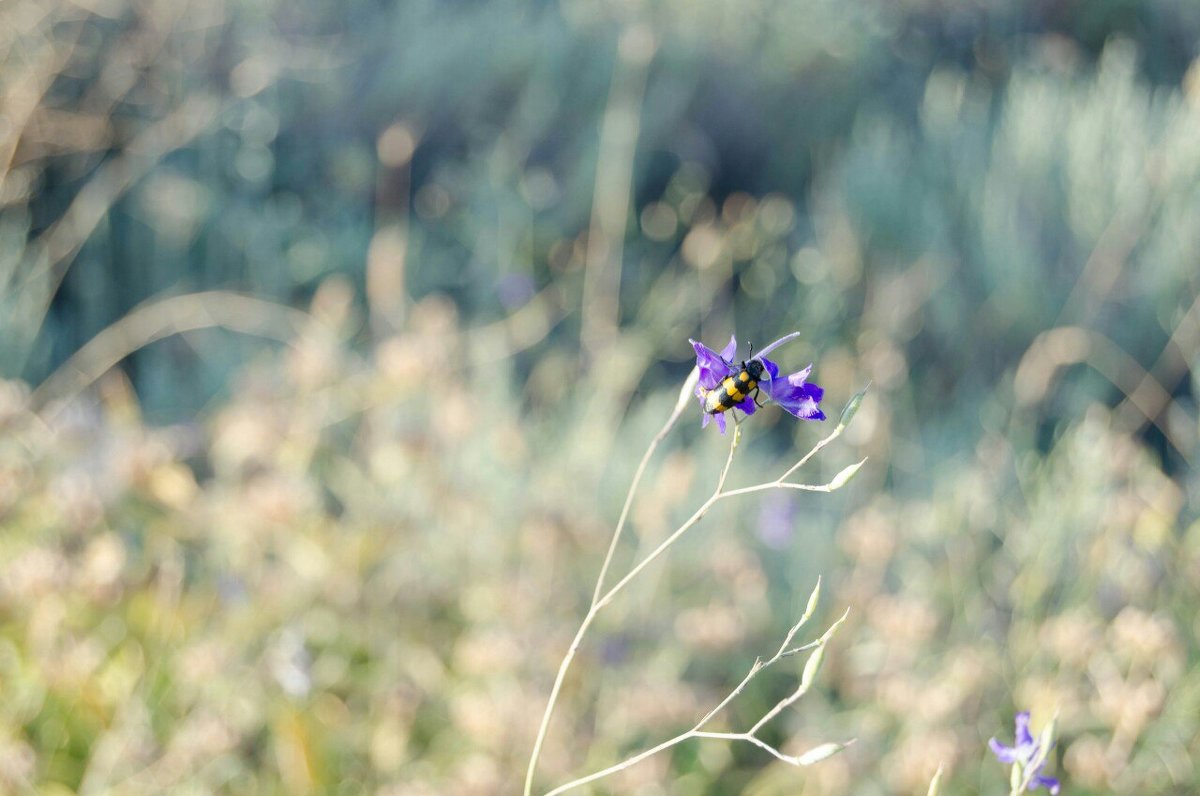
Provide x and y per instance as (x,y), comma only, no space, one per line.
(735,388)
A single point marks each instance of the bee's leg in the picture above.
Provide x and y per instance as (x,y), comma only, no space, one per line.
(756,394)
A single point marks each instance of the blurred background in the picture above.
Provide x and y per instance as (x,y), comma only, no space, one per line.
(331,335)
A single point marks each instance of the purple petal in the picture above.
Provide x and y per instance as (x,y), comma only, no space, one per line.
(796,397)
(1023,736)
(777,519)
(799,377)
(814,391)
(1049,783)
(1006,754)
(729,350)
(806,406)
(713,367)
(720,422)
(777,389)
(778,343)
(748,406)
(704,418)
(771,367)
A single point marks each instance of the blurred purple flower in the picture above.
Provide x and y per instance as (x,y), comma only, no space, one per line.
(792,392)
(515,290)
(614,650)
(1025,752)
(777,519)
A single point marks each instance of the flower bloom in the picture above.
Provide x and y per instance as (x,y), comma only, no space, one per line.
(793,392)
(1026,752)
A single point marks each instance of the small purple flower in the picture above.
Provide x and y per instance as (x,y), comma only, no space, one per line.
(1028,754)
(777,519)
(793,392)
(515,290)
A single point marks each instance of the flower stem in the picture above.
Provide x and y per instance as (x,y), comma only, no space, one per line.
(749,736)
(685,395)
(601,598)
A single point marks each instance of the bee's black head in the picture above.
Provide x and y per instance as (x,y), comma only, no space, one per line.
(754,368)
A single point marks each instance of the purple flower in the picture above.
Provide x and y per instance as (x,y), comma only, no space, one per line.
(1028,754)
(515,290)
(792,393)
(777,519)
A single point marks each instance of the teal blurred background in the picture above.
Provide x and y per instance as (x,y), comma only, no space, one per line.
(315,317)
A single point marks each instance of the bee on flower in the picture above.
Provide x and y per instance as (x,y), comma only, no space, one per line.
(725,386)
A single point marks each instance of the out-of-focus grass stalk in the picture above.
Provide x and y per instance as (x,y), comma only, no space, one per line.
(161,318)
(935,784)
(601,598)
(387,253)
(54,250)
(613,187)
(685,396)
(1064,346)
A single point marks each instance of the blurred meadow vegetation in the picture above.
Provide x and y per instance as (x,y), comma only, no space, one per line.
(331,334)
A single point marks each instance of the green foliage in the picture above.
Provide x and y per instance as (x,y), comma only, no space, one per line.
(351,559)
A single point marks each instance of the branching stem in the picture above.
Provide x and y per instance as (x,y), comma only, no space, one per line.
(749,736)
(601,598)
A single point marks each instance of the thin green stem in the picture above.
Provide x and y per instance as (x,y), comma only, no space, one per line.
(680,531)
(698,730)
(624,764)
(558,681)
(837,432)
(543,728)
(601,598)
(680,405)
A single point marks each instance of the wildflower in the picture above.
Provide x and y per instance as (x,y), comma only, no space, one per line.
(777,519)
(1028,755)
(793,392)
